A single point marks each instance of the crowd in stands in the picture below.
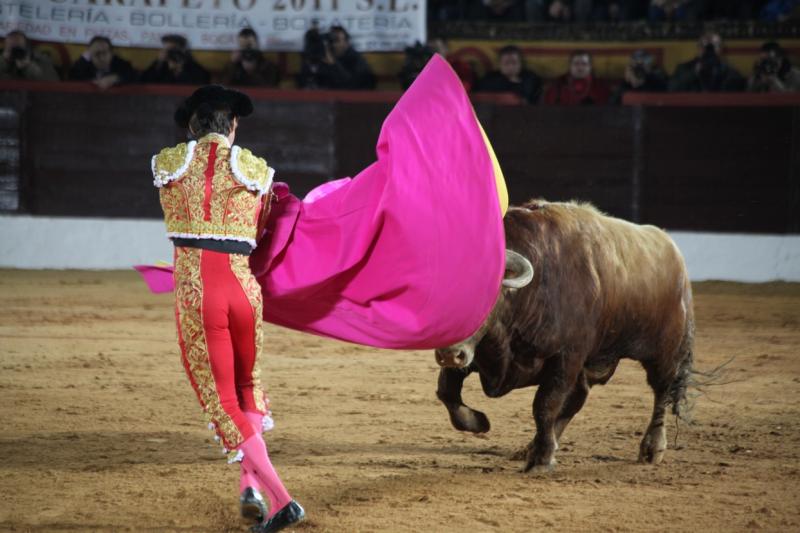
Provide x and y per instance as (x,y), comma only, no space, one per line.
(329,61)
(613,10)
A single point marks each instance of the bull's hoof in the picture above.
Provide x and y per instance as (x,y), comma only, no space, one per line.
(531,467)
(653,446)
(539,462)
(651,456)
(465,419)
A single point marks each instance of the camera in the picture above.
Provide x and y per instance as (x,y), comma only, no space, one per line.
(176,55)
(315,45)
(639,71)
(250,55)
(769,66)
(417,57)
(18,52)
(709,59)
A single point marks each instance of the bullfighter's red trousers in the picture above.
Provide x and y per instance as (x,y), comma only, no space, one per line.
(218,311)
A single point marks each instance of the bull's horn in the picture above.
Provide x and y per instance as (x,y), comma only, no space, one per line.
(518,263)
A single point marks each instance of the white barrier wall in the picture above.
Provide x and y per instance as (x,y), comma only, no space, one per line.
(91,243)
(82,243)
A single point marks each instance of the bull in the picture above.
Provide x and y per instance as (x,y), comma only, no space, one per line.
(581,291)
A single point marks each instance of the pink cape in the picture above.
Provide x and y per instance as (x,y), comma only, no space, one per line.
(410,253)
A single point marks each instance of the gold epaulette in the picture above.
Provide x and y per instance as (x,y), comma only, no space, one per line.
(171,163)
(250,170)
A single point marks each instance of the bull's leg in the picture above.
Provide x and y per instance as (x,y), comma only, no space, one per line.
(548,404)
(654,442)
(573,404)
(463,418)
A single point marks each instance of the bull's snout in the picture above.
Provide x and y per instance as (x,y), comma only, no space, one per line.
(451,358)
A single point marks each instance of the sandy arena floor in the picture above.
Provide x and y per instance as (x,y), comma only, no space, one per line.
(102,432)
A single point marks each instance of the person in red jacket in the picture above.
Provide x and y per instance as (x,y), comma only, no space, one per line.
(578,86)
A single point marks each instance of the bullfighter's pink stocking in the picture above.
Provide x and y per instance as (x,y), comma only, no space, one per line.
(256,462)
(247,479)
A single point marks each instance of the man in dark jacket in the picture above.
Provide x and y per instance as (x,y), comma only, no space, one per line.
(19,61)
(331,62)
(707,72)
(641,75)
(248,65)
(512,77)
(175,64)
(100,65)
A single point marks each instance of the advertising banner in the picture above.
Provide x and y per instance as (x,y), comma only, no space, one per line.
(374,25)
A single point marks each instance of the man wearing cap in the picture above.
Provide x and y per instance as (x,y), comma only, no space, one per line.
(214,195)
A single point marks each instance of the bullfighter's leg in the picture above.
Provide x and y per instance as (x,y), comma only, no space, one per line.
(463,418)
(548,404)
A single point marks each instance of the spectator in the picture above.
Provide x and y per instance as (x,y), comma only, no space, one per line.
(641,75)
(248,65)
(465,72)
(669,10)
(20,61)
(592,10)
(558,10)
(100,65)
(512,76)
(578,86)
(330,62)
(498,10)
(707,72)
(175,64)
(780,10)
(442,10)
(416,57)
(773,72)
(726,9)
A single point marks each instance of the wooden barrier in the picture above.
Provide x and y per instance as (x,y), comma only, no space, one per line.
(729,167)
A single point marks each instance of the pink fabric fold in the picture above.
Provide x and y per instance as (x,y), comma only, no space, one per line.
(410,252)
(158,278)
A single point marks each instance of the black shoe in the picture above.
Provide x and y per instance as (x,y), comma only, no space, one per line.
(253,506)
(291,514)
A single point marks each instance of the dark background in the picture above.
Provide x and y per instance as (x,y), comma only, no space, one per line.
(728,169)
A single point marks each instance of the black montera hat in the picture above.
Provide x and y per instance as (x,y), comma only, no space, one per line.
(217,96)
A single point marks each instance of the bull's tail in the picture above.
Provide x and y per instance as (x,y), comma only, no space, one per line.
(678,391)
(691,383)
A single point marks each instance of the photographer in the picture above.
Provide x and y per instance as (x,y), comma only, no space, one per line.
(330,62)
(773,72)
(641,75)
(20,62)
(707,72)
(248,65)
(416,57)
(101,66)
(175,64)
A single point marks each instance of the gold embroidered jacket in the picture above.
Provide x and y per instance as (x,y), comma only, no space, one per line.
(211,190)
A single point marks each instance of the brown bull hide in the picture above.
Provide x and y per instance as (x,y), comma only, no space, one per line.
(603,289)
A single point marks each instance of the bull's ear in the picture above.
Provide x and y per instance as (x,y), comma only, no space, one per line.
(519,271)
